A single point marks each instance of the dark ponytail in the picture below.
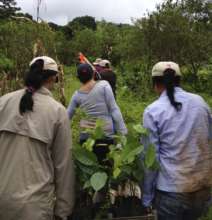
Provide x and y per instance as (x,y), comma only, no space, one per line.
(34,81)
(170,81)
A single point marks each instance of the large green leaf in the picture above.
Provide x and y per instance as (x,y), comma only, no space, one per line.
(127,169)
(98,180)
(150,156)
(90,170)
(140,129)
(125,152)
(116,172)
(117,159)
(99,132)
(130,155)
(120,139)
(87,184)
(85,157)
(138,175)
(89,144)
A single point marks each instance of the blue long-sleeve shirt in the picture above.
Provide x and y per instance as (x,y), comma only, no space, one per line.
(99,103)
(182,142)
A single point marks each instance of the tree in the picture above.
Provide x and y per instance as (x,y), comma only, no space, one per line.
(68,32)
(24,15)
(8,8)
(55,27)
(83,22)
(15,34)
(84,41)
(179,31)
(78,24)
(107,35)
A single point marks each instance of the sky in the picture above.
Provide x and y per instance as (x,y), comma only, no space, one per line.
(62,11)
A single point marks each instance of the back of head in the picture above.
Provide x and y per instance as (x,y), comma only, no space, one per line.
(41,68)
(85,73)
(168,74)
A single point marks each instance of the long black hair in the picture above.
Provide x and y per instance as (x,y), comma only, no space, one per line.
(33,81)
(169,80)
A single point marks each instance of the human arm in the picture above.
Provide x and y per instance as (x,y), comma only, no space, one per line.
(63,167)
(114,110)
(72,106)
(150,176)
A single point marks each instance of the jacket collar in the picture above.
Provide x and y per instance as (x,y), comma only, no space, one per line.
(44,91)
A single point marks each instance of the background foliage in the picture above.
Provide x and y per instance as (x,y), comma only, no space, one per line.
(177,30)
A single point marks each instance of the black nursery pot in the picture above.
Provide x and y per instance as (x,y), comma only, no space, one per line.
(83,209)
(128,207)
(86,213)
(149,217)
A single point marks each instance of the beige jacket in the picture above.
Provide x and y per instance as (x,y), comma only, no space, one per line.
(36,169)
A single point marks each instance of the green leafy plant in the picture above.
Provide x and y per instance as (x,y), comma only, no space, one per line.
(6,64)
(208,216)
(123,157)
(122,164)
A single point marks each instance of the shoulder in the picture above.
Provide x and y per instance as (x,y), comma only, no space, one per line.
(48,104)
(195,99)
(75,95)
(12,95)
(102,84)
(57,105)
(75,99)
(154,107)
(57,110)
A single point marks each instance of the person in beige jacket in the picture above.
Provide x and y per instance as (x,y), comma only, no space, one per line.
(36,168)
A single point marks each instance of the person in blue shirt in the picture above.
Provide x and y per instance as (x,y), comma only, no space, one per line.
(180,127)
(96,99)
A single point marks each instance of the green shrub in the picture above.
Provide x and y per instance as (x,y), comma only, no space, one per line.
(6,64)
(208,216)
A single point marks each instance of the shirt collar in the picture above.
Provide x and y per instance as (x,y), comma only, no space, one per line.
(177,89)
(44,91)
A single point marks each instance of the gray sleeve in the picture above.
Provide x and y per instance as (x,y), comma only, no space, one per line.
(63,167)
(72,106)
(114,110)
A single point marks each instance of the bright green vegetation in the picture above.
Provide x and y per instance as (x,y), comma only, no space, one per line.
(121,163)
(176,30)
(209,216)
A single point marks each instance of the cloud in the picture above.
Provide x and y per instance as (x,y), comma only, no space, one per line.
(62,11)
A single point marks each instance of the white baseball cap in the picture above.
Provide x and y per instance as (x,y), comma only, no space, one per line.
(49,63)
(97,61)
(159,68)
(104,63)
